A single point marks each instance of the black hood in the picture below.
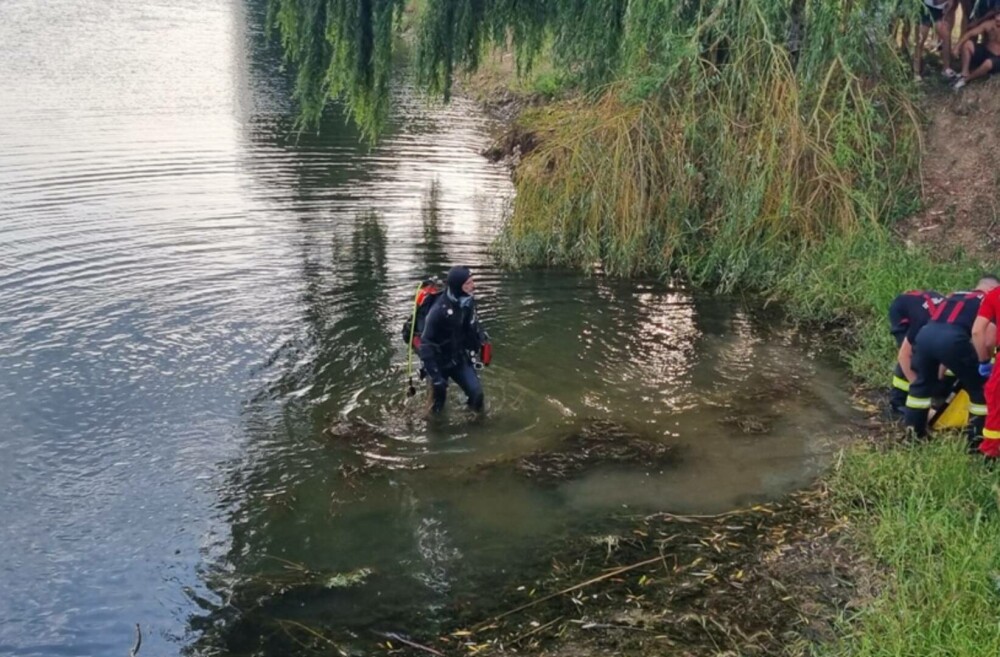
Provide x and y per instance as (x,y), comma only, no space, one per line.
(456,279)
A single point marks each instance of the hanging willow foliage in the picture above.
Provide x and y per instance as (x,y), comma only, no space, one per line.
(340,49)
(721,151)
(344,48)
(720,135)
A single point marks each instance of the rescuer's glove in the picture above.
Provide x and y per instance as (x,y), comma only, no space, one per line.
(985,369)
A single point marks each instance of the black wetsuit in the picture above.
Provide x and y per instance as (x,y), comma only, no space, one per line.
(451,331)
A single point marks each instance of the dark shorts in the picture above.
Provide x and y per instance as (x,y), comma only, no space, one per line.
(983,7)
(930,15)
(981,55)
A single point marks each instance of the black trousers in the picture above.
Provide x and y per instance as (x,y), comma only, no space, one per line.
(464,374)
(940,344)
(900,389)
(900,385)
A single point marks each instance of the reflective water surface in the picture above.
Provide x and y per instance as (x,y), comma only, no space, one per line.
(202,385)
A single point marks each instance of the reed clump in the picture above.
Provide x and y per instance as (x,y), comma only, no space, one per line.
(725,150)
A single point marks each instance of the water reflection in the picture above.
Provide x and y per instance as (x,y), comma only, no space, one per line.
(191,296)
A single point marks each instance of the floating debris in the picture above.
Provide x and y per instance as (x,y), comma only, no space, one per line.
(594,444)
(748,424)
(352,578)
(370,450)
(767,580)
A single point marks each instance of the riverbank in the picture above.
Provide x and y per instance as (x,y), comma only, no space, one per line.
(909,534)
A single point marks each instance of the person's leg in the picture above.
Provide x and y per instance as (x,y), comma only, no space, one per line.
(918,402)
(967,52)
(967,6)
(900,385)
(918,47)
(944,33)
(963,362)
(466,378)
(982,71)
(900,389)
(439,394)
(990,447)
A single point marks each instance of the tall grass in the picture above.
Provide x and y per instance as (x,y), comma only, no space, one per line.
(851,279)
(931,523)
(721,153)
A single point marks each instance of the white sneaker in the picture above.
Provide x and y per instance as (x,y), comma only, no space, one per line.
(958,84)
(949,74)
(918,78)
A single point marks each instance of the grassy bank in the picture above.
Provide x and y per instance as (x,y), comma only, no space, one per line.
(930,518)
(618,185)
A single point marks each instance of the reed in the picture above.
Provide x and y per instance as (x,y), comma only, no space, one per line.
(720,153)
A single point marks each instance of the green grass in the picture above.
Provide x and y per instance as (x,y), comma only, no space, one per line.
(849,281)
(928,515)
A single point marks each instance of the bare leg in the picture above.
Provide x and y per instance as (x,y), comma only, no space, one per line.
(918,59)
(967,6)
(984,69)
(950,16)
(967,49)
(905,37)
(944,33)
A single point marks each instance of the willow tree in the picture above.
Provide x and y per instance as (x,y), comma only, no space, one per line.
(340,49)
(343,49)
(710,135)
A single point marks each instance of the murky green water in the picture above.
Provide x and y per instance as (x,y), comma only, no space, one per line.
(191,297)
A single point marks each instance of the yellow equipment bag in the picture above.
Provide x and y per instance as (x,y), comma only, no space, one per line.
(955,415)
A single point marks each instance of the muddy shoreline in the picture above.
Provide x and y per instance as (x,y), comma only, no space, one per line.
(771,579)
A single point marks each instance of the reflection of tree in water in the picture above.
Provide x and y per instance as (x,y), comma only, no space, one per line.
(283,504)
(433,254)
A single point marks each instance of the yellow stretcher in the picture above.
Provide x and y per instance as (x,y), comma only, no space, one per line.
(955,415)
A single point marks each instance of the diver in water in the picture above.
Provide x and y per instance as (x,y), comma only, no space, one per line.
(450,340)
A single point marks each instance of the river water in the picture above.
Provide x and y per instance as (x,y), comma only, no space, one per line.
(191,296)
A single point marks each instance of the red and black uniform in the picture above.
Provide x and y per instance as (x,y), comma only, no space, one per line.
(990,310)
(946,340)
(909,311)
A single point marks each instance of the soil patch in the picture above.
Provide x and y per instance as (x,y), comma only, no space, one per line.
(961,171)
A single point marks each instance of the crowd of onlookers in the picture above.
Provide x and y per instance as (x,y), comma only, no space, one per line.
(975,55)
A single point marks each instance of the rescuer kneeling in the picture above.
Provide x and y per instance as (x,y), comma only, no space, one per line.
(945,342)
